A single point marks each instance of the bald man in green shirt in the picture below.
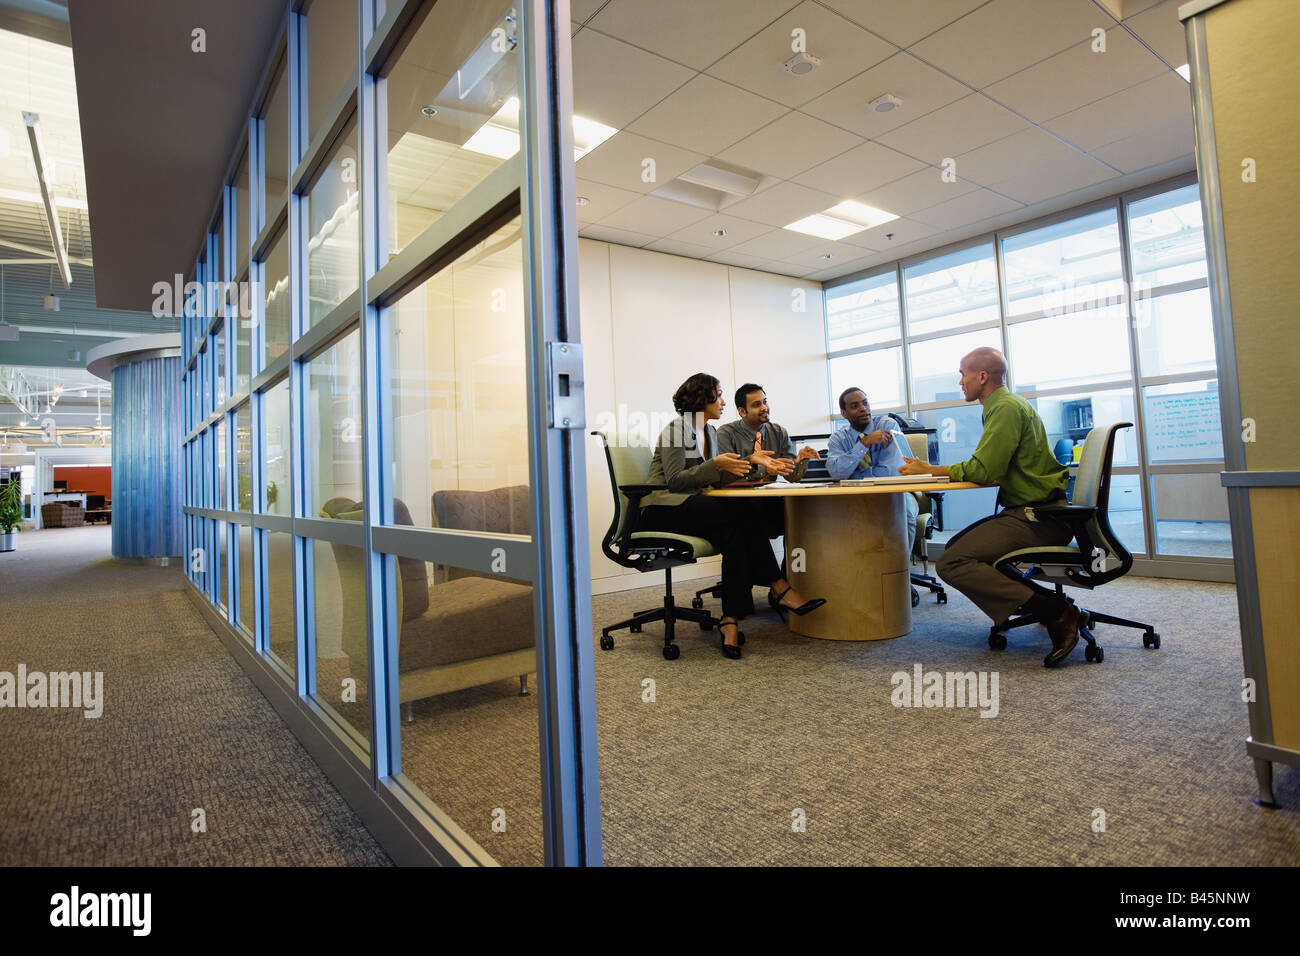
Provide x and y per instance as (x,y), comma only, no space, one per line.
(1012,453)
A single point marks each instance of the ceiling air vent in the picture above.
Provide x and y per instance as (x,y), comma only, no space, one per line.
(712,185)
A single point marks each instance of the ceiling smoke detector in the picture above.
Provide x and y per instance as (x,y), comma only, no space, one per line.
(801,64)
(430,110)
(886,103)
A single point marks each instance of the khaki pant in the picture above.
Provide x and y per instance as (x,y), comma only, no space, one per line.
(967,562)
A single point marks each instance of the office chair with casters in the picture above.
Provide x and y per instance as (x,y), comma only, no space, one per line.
(1096,556)
(647,550)
(925,528)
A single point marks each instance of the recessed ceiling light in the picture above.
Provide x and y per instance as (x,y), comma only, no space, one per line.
(430,110)
(886,103)
(828,255)
(1185,71)
(801,64)
(582,200)
(843,219)
(720,233)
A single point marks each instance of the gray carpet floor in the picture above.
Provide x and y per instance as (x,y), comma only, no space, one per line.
(182,729)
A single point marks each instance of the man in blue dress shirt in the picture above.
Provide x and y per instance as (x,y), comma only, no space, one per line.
(869,447)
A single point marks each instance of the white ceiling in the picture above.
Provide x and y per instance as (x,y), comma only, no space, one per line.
(1010,89)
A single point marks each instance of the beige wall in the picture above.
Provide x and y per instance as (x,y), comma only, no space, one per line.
(650,320)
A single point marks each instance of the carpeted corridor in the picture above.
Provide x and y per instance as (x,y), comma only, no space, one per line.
(182,729)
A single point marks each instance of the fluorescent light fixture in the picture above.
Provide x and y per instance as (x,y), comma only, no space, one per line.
(1185,71)
(42,175)
(842,220)
(499,136)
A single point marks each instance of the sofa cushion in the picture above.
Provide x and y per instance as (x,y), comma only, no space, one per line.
(467,618)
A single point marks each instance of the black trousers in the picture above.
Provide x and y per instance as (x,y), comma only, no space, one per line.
(729,525)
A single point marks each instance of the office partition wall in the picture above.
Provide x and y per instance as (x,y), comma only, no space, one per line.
(385,491)
(1103,314)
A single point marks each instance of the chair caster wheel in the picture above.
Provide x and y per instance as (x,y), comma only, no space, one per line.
(1093,654)
(635,628)
(941,597)
(916,598)
(606,642)
(705,626)
(697,603)
(671,652)
(997,641)
(1151,639)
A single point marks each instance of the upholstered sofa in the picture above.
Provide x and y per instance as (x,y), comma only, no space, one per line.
(62,514)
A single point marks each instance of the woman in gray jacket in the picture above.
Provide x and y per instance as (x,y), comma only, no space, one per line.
(686,460)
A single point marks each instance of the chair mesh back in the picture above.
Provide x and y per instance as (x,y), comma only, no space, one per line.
(631,464)
(1087,481)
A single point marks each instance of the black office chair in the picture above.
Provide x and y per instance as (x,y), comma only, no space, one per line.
(1096,557)
(647,550)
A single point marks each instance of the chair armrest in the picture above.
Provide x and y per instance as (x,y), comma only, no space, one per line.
(637,492)
(1068,514)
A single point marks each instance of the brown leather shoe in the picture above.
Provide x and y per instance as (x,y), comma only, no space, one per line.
(1064,632)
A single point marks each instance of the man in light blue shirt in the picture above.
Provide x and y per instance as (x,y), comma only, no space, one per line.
(869,447)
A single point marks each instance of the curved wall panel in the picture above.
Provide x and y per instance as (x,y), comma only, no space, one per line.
(147,459)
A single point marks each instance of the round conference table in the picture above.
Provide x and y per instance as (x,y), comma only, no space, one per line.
(848,544)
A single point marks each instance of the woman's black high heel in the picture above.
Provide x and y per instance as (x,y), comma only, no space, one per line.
(805,608)
(731,650)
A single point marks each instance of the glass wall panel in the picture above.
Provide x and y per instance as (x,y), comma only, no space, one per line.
(334,446)
(1125,512)
(952,291)
(1064,265)
(458,389)
(1076,348)
(331,57)
(279,572)
(878,373)
(247,606)
(220,382)
(241,220)
(243,330)
(243,459)
(342,677)
(863,313)
(1069,418)
(958,430)
(1191,514)
(275,137)
(276,320)
(275,464)
(1175,333)
(222,569)
(1182,421)
(1168,238)
(452,112)
(333,246)
(935,364)
(220,453)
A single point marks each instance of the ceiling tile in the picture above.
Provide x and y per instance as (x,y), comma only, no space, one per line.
(903,23)
(777,244)
(965,210)
(922,89)
(790,145)
(1151,147)
(866,167)
(999,161)
(601,200)
(581,10)
(695,33)
(841,269)
(675,247)
(1165,99)
(845,50)
(733,258)
(837,252)
(890,235)
(620,236)
(707,115)
(1006,36)
(614,82)
(655,216)
(1058,177)
(954,129)
(620,161)
(788,269)
(918,191)
(737,231)
(782,204)
(1163,31)
(1078,76)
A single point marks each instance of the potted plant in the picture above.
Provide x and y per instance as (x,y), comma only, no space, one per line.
(11,513)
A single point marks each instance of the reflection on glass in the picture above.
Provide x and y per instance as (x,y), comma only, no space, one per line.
(241,221)
(1072,349)
(951,291)
(220,453)
(247,609)
(957,432)
(1192,515)
(471,741)
(1176,333)
(935,364)
(863,313)
(243,459)
(220,382)
(276,287)
(332,249)
(1168,238)
(879,374)
(331,57)
(458,386)
(275,465)
(1064,265)
(334,432)
(1125,512)
(1069,418)
(279,573)
(242,357)
(447,87)
(1182,421)
(342,674)
(222,570)
(275,135)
